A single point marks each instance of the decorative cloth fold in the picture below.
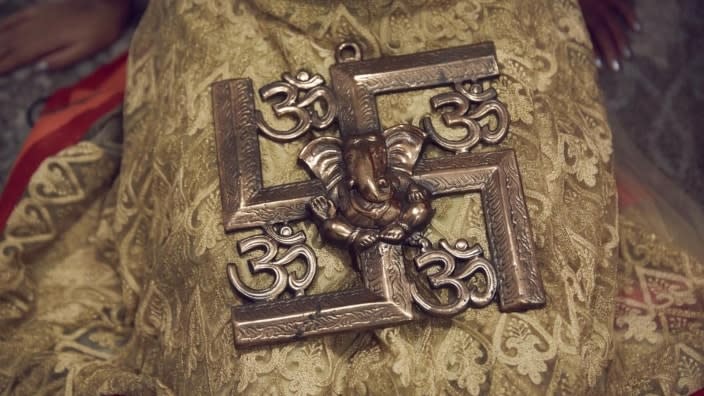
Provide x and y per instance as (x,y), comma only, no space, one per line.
(67,115)
(113,269)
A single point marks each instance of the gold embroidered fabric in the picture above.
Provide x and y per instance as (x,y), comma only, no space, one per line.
(659,322)
(112,271)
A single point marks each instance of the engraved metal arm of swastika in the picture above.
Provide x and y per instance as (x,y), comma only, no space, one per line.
(371,191)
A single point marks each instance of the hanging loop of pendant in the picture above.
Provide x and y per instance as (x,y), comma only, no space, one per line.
(349,51)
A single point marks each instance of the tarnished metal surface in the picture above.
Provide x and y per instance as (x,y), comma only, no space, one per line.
(299,95)
(371,195)
(468,107)
(446,277)
(372,192)
(270,242)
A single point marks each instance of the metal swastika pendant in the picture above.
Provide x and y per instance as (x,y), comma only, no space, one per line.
(371,190)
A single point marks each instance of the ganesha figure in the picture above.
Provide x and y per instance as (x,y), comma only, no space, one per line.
(370,193)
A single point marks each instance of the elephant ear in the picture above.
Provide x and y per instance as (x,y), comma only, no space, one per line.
(323,156)
(404,143)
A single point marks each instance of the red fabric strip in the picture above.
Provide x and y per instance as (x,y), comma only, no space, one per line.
(67,117)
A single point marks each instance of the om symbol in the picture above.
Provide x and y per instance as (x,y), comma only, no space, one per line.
(299,95)
(445,277)
(464,109)
(268,262)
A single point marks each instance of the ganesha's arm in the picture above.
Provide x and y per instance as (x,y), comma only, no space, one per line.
(410,190)
(418,212)
(339,230)
(416,216)
(332,227)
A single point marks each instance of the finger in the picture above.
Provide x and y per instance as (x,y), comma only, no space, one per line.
(16,18)
(628,12)
(13,59)
(605,47)
(24,44)
(19,56)
(618,34)
(8,39)
(63,57)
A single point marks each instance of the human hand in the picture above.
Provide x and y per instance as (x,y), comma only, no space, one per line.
(60,33)
(608,22)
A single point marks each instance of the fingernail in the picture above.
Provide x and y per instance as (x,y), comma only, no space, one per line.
(636,26)
(41,66)
(627,53)
(615,66)
(599,63)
